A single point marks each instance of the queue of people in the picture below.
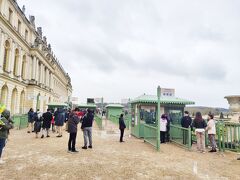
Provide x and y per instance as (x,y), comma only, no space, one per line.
(201,127)
(42,122)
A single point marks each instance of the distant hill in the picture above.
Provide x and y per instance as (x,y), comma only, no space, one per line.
(205,110)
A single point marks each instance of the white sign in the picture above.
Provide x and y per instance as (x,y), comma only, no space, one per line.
(167,92)
(98,100)
(75,99)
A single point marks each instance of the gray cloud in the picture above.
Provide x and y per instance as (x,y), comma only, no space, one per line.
(145,42)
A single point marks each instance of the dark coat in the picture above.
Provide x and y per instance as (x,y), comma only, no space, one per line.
(6,124)
(30,116)
(87,120)
(199,124)
(47,118)
(121,123)
(186,121)
(38,122)
(73,121)
(59,117)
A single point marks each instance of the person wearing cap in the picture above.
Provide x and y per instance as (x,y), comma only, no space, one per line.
(186,122)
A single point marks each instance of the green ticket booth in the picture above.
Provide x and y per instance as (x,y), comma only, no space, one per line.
(114,110)
(54,105)
(144,111)
(91,106)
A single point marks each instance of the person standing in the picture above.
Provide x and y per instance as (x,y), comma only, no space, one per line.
(122,127)
(211,129)
(73,121)
(186,122)
(47,118)
(163,127)
(199,124)
(59,117)
(87,122)
(5,126)
(37,122)
(30,120)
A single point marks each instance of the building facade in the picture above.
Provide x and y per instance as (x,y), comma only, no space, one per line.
(30,74)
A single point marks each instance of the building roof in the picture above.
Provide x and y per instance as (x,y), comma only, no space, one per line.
(163,100)
(114,106)
(87,105)
(57,104)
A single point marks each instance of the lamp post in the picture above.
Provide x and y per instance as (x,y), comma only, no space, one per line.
(158,117)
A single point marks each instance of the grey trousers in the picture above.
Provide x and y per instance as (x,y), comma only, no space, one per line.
(87,134)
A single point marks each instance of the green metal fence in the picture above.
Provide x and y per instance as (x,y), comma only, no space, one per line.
(150,134)
(231,137)
(181,136)
(20,121)
(98,120)
(115,120)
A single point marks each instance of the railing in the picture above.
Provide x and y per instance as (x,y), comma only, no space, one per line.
(231,136)
(115,120)
(150,134)
(181,136)
(98,120)
(20,121)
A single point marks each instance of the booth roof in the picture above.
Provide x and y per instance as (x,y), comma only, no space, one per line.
(87,105)
(57,104)
(114,105)
(163,100)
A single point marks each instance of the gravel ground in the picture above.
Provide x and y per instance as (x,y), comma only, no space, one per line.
(28,158)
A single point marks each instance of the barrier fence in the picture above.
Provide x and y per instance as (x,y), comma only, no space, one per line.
(181,136)
(98,120)
(20,121)
(150,134)
(115,120)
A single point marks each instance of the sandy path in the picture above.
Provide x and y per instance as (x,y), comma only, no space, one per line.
(29,158)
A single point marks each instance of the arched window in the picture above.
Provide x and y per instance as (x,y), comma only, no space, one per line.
(22,103)
(16,63)
(4,95)
(6,56)
(24,63)
(14,101)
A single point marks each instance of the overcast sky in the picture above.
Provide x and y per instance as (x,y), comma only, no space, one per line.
(123,48)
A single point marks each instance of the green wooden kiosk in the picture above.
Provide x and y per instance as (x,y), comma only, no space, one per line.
(114,110)
(144,111)
(54,105)
(88,106)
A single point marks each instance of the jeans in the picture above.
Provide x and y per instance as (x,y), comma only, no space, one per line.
(121,136)
(211,138)
(200,141)
(72,141)
(87,133)
(2,145)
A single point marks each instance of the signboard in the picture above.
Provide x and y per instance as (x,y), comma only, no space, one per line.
(98,100)
(90,100)
(167,92)
(75,99)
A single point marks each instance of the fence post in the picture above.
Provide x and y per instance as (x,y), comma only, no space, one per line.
(219,137)
(189,138)
(223,136)
(158,118)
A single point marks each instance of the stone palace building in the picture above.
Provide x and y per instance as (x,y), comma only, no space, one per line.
(30,74)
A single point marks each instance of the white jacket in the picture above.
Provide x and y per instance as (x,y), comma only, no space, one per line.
(163,125)
(211,128)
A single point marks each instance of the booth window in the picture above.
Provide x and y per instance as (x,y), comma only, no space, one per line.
(148,114)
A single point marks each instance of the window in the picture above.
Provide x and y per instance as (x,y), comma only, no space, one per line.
(26,35)
(6,56)
(16,62)
(10,14)
(19,26)
(24,68)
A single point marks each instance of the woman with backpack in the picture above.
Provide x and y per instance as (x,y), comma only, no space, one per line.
(199,124)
